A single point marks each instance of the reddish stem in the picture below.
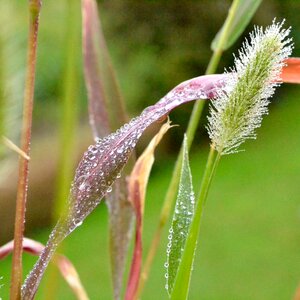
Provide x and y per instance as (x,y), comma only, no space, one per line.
(16,280)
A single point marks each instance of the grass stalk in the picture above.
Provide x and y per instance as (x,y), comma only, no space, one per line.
(190,132)
(183,276)
(16,279)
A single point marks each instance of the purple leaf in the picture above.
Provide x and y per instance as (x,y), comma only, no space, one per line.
(121,217)
(102,163)
(106,106)
(106,114)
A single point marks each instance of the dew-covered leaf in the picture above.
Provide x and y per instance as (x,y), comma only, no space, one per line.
(64,265)
(106,114)
(102,163)
(291,72)
(244,11)
(137,190)
(183,214)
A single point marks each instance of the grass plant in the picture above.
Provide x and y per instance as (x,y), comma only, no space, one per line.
(239,100)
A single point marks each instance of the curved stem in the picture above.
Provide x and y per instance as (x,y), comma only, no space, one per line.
(16,280)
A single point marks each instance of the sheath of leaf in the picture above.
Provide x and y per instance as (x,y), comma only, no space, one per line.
(102,163)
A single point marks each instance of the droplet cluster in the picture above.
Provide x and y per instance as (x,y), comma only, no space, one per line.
(202,87)
(182,218)
(103,162)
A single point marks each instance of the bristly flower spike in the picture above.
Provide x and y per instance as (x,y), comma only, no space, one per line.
(237,111)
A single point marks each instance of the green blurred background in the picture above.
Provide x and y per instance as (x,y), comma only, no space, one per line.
(250,238)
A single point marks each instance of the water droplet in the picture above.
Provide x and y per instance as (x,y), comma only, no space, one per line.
(91,156)
(93,149)
(82,186)
(120,150)
(79,223)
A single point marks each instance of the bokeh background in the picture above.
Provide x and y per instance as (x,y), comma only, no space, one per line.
(250,236)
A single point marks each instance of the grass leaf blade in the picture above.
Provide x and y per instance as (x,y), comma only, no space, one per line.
(244,13)
(181,285)
(183,214)
(106,107)
(121,217)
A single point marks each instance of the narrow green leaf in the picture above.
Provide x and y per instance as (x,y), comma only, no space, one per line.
(183,214)
(183,276)
(68,107)
(244,12)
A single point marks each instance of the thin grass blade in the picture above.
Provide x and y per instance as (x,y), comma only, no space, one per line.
(106,106)
(137,190)
(244,12)
(183,214)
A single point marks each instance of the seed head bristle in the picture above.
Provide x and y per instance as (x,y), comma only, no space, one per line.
(238,109)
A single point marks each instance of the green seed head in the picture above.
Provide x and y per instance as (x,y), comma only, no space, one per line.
(237,111)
